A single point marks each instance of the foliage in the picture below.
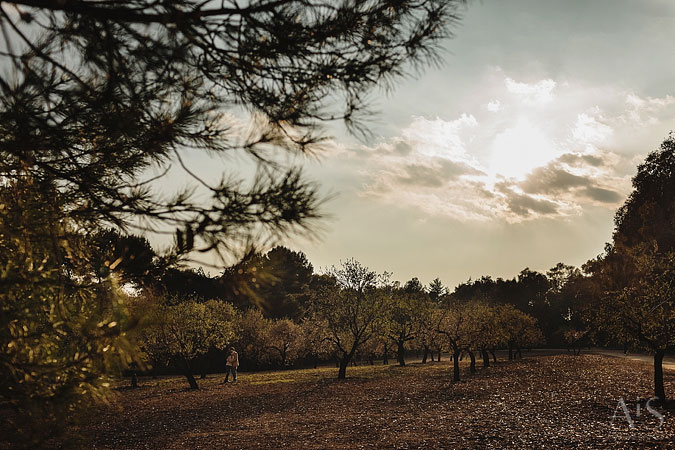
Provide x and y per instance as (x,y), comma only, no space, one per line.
(286,341)
(648,215)
(132,258)
(353,310)
(61,326)
(407,312)
(436,290)
(277,281)
(102,92)
(520,329)
(633,280)
(253,337)
(183,332)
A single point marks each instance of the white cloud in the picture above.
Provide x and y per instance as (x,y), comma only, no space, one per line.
(646,111)
(537,93)
(439,137)
(589,129)
(494,106)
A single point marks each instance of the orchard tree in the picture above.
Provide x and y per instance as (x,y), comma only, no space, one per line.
(488,332)
(183,332)
(317,343)
(407,310)
(520,329)
(101,102)
(354,310)
(455,324)
(254,329)
(285,341)
(428,337)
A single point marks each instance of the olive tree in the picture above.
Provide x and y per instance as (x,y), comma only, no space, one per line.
(407,312)
(353,310)
(183,332)
(285,341)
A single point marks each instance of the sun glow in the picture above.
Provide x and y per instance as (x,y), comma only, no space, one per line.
(518,150)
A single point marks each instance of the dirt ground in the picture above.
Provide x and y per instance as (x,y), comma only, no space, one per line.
(539,402)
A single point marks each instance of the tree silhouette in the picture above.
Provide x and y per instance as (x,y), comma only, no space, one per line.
(437,290)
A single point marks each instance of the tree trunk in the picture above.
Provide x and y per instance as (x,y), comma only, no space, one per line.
(455,366)
(385,358)
(425,354)
(400,353)
(188,372)
(439,355)
(659,390)
(134,380)
(472,366)
(486,358)
(191,379)
(510,353)
(316,361)
(344,362)
(494,355)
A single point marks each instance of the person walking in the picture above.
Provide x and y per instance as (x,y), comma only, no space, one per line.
(231,365)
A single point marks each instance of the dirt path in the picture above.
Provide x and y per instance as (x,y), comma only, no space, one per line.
(668,361)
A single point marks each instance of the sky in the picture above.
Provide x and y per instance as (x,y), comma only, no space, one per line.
(514,152)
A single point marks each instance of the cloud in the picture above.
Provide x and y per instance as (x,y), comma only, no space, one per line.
(580,160)
(511,160)
(437,137)
(536,93)
(494,106)
(589,129)
(552,179)
(603,195)
(525,205)
(435,172)
(643,112)
(557,180)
